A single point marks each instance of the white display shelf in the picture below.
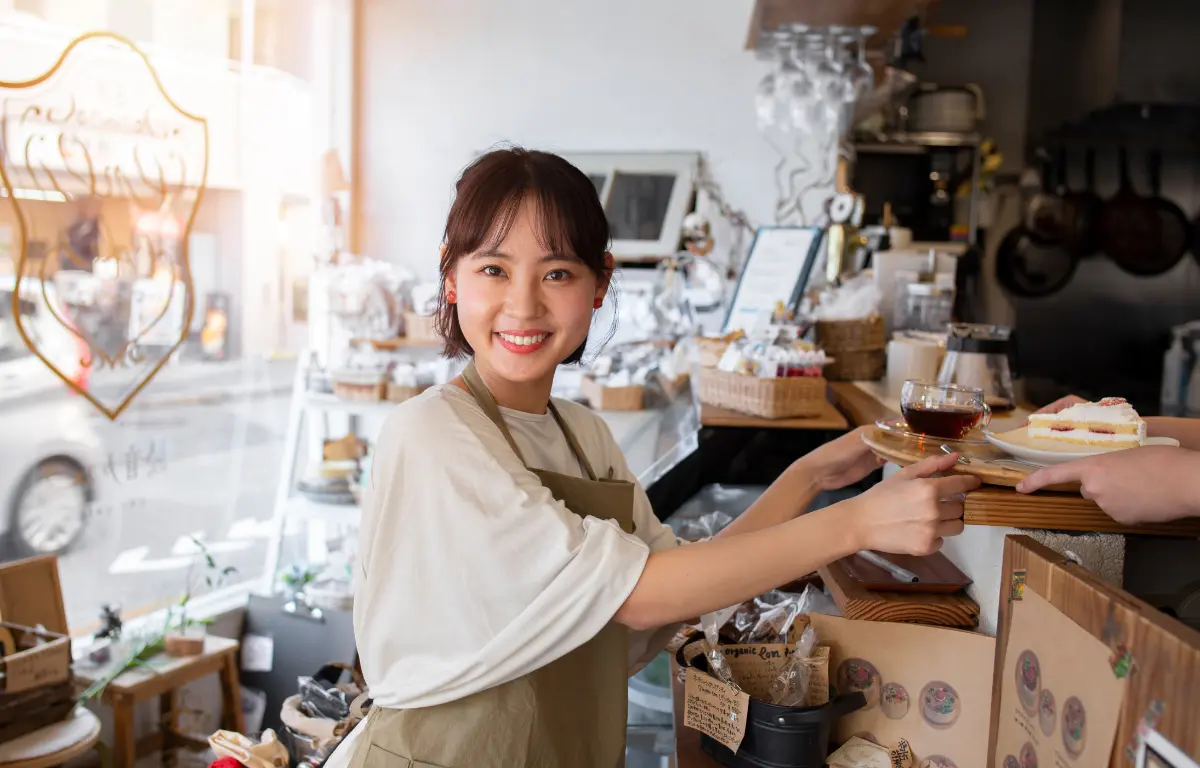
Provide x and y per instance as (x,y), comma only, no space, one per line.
(329,402)
(302,508)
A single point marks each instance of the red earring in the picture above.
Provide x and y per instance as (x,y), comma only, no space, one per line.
(451,296)
(597,303)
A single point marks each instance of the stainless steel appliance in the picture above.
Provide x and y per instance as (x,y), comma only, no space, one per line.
(980,356)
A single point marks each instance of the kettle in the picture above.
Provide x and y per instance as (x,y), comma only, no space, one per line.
(982,356)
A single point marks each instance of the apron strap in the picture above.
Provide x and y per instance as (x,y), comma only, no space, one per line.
(571,441)
(484,397)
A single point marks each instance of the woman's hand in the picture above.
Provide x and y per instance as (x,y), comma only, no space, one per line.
(840,462)
(912,511)
(1155,483)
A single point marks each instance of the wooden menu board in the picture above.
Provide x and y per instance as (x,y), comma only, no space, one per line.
(1163,690)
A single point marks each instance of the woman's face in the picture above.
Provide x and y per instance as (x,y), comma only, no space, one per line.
(521,308)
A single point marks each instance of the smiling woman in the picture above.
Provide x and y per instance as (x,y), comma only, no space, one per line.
(510,521)
(523,267)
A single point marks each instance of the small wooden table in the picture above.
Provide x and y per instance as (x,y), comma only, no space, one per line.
(164,677)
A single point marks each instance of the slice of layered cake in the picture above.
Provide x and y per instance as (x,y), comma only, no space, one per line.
(1112,423)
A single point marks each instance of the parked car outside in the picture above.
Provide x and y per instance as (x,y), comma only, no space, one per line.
(49,446)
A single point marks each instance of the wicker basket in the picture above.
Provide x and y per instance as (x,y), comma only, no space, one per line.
(797,396)
(419,328)
(836,336)
(865,365)
(605,398)
(858,348)
(360,386)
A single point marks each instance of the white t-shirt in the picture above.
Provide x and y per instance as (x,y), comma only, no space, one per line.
(471,573)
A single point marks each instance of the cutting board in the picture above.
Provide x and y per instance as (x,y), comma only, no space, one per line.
(857,602)
(903,450)
(936,573)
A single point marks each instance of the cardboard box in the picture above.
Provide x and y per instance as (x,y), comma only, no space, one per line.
(605,398)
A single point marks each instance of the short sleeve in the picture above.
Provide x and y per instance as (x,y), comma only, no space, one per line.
(472,573)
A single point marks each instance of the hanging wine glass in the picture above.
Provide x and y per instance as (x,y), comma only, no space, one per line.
(773,88)
(865,72)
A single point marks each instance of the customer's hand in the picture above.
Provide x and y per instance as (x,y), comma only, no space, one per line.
(840,462)
(1061,403)
(1154,483)
(912,511)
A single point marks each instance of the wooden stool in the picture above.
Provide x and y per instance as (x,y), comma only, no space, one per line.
(53,745)
(163,678)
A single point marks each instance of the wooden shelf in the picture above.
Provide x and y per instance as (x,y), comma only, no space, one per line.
(858,405)
(828,419)
(939,610)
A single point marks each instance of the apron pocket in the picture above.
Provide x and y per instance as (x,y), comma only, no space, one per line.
(378,757)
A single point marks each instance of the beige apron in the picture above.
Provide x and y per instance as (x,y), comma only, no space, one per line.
(571,713)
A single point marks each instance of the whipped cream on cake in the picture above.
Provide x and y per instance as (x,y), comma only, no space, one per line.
(1112,422)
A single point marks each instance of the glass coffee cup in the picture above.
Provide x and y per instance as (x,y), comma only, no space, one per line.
(947,411)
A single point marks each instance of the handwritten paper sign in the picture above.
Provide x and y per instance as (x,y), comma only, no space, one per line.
(715,708)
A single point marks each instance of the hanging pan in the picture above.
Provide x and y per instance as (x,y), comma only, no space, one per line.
(1174,230)
(1081,213)
(1043,214)
(1130,225)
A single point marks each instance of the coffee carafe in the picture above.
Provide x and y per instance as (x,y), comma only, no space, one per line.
(981,356)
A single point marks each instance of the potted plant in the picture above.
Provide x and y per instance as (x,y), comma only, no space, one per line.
(184,636)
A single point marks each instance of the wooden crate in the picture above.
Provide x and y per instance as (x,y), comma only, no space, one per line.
(1165,680)
(36,684)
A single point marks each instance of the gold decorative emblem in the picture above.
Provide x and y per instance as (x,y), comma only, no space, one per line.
(103,174)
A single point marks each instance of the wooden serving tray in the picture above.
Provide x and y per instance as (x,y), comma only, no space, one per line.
(996,503)
(903,450)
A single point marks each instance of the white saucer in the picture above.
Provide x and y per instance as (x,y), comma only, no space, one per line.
(1043,452)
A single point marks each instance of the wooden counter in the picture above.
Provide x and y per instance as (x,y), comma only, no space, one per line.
(829,419)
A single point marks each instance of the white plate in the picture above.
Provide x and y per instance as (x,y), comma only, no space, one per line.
(1036,450)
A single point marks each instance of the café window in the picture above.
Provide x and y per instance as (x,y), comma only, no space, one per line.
(197,453)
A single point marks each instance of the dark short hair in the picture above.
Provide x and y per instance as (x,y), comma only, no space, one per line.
(486,200)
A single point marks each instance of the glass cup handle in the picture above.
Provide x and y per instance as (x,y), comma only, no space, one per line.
(985,418)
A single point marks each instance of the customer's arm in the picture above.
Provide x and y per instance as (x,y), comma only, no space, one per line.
(1186,431)
(834,465)
(1152,484)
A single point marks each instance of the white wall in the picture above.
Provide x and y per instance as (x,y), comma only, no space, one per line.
(445,79)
